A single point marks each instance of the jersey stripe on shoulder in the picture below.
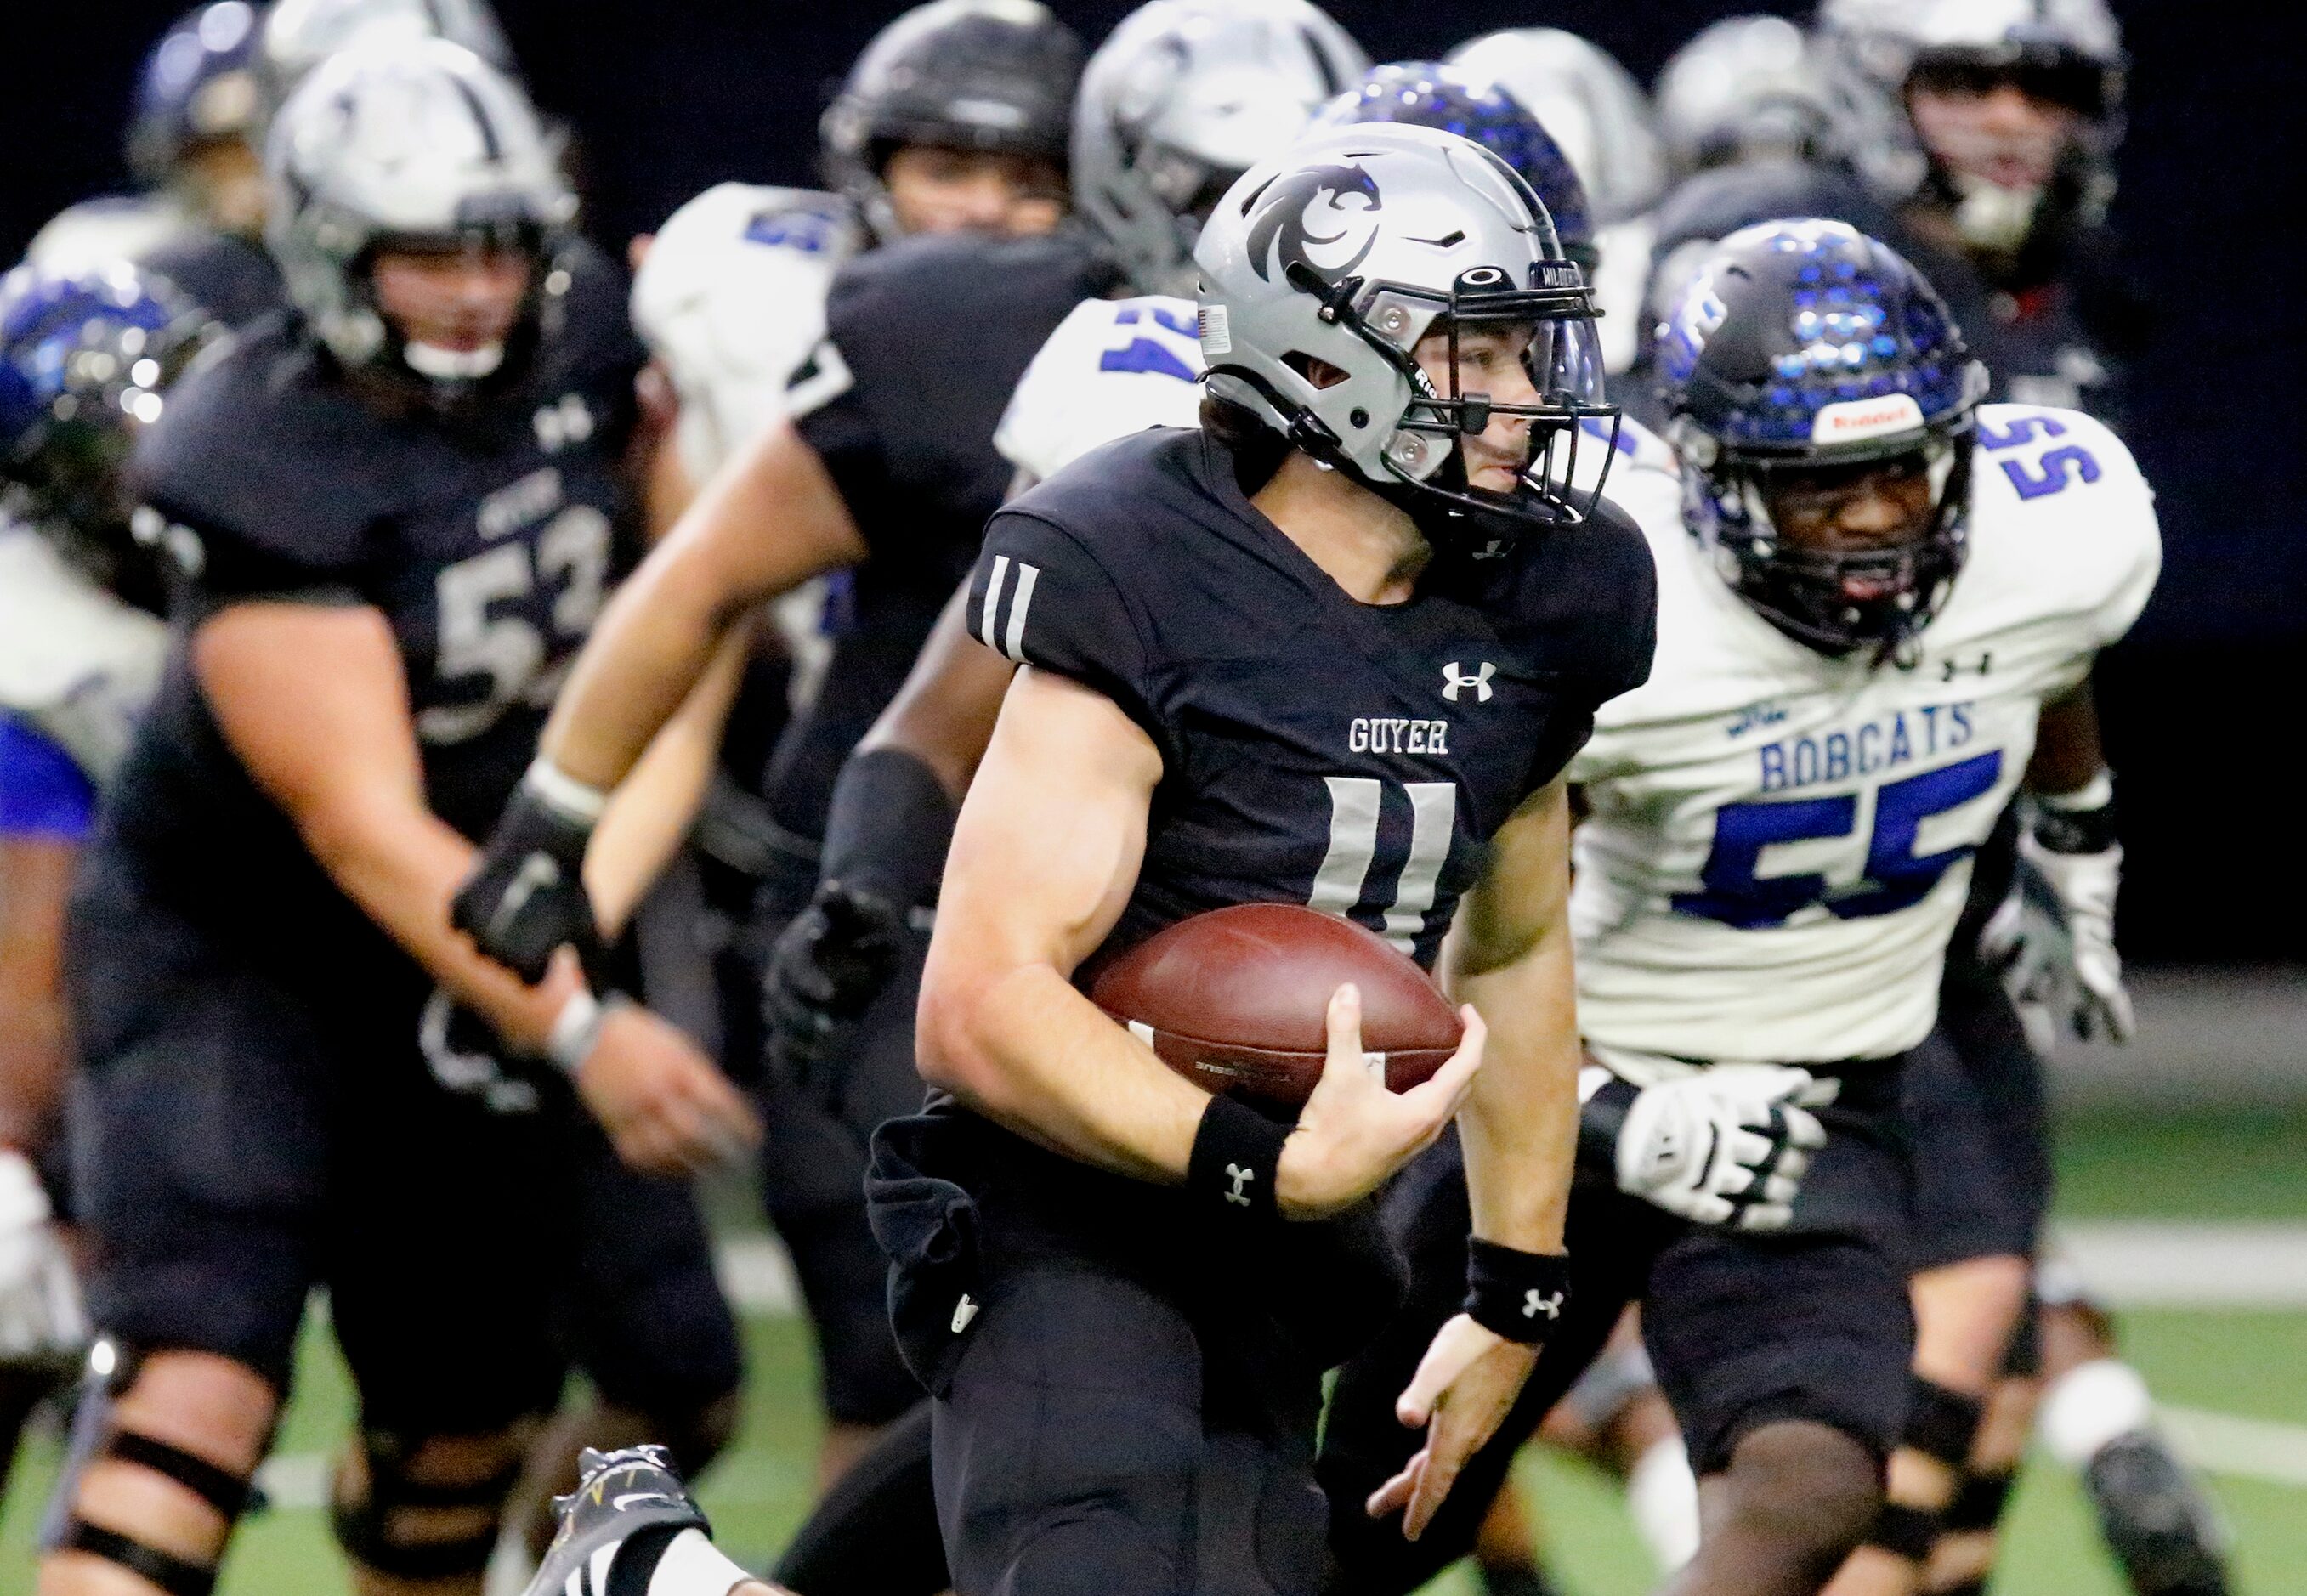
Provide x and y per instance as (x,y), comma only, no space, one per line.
(1013,642)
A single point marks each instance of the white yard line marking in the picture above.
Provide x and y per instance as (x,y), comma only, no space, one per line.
(2161,1264)
(2248,1448)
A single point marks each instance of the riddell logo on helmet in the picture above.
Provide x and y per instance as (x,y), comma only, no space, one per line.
(1854,419)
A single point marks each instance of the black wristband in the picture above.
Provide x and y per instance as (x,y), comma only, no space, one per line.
(889,826)
(2073,831)
(1520,1296)
(1236,1151)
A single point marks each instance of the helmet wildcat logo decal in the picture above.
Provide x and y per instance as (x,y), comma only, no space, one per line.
(1292,212)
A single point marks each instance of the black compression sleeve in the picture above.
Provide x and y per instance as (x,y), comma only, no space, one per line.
(889,826)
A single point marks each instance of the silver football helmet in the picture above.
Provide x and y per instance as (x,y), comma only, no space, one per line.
(1323,269)
(1870,52)
(418,143)
(1182,98)
(1591,103)
(1745,88)
(301,34)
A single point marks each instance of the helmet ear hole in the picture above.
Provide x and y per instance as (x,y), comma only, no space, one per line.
(1315,370)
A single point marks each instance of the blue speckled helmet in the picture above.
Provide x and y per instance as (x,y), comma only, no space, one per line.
(84,362)
(1806,344)
(1429,94)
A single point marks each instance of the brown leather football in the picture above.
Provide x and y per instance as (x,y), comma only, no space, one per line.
(1234,1000)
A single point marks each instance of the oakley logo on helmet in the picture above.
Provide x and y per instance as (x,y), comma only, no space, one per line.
(1290,212)
(1854,419)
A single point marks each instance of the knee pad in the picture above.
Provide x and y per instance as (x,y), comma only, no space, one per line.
(1940,1423)
(95,1437)
(370,1531)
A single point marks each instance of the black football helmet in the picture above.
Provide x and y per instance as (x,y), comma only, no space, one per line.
(962,74)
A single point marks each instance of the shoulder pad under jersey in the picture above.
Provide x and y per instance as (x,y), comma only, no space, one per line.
(2060,515)
(731,299)
(1113,367)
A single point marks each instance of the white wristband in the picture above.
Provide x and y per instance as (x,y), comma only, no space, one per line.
(572,800)
(576,1030)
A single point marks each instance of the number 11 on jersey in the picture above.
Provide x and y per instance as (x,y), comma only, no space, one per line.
(1339,883)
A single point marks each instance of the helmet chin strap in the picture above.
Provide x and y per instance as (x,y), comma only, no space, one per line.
(451,365)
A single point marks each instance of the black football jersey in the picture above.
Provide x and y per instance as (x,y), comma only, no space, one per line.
(925,340)
(1316,750)
(2059,342)
(489,542)
(234,279)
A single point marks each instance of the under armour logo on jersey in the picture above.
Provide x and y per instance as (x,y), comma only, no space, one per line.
(1240,1178)
(567,420)
(1454,681)
(1532,1304)
(1012,641)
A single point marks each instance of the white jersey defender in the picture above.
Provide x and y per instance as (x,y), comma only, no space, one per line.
(1779,839)
(731,299)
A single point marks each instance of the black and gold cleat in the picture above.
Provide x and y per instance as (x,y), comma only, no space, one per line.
(627,1510)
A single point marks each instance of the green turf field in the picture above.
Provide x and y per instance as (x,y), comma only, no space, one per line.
(2253,1364)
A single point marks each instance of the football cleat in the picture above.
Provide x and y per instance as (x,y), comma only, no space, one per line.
(628,1501)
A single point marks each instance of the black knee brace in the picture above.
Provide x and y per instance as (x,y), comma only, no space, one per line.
(365,1529)
(96,1437)
(1940,1423)
(1978,1503)
(1905,1531)
(220,1488)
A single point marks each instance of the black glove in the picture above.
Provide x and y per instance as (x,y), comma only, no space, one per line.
(828,967)
(526,897)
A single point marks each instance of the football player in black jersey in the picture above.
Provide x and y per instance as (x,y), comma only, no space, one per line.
(952,120)
(1372,524)
(395,515)
(892,809)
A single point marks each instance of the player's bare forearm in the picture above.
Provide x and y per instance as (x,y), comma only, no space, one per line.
(1509,955)
(35,876)
(944,714)
(645,823)
(1044,1061)
(401,867)
(770,521)
(1044,857)
(2067,753)
(337,751)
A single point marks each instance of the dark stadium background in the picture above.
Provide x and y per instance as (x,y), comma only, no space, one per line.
(2203,705)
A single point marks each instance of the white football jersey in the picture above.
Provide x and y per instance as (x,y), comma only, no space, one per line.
(1112,367)
(1118,366)
(1780,841)
(76,662)
(731,299)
